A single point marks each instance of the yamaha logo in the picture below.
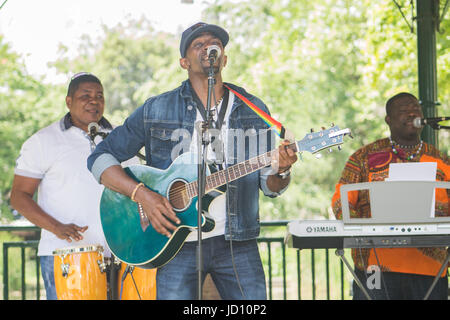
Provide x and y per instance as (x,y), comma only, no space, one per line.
(310,229)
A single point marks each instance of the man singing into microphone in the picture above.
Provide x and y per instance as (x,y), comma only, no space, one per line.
(53,162)
(408,272)
(166,121)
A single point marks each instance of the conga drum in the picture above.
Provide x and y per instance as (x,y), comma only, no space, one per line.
(138,284)
(80,273)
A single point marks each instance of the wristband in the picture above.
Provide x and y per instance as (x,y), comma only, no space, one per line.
(133,194)
(284,174)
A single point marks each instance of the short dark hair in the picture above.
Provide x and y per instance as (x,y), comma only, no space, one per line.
(79,78)
(391,101)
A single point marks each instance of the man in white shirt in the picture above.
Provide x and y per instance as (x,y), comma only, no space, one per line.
(52,162)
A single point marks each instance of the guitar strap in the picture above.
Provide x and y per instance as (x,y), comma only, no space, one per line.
(216,124)
(201,108)
(271,122)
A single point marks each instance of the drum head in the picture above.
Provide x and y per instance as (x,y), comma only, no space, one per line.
(78,249)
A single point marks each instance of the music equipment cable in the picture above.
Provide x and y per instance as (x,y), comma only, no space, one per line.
(135,286)
(128,270)
(381,272)
(231,237)
(229,216)
(364,266)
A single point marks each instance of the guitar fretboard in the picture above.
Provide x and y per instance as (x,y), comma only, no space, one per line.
(233,172)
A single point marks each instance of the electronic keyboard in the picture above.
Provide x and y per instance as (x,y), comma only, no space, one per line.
(315,234)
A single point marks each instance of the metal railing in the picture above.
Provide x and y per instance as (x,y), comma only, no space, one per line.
(290,274)
(308,278)
(22,245)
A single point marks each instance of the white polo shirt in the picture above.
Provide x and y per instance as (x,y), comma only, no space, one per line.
(68,191)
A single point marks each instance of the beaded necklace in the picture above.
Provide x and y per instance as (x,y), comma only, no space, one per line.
(411,156)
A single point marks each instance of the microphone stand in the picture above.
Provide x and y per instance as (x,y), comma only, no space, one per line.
(202,154)
(128,269)
(437,126)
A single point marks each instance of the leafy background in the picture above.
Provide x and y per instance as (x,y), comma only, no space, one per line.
(312,62)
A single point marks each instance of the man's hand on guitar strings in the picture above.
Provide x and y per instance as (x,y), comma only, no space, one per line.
(284,158)
(158,210)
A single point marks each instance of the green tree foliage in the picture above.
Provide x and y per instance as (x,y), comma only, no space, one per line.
(321,62)
(132,60)
(313,62)
(26,105)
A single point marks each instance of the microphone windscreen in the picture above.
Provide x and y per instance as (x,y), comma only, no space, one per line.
(417,122)
(212,48)
(93,125)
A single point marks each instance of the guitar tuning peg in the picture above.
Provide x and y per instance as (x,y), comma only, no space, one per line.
(318,155)
(332,124)
(339,148)
(312,130)
(330,150)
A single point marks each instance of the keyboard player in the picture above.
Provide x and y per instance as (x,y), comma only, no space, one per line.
(407,273)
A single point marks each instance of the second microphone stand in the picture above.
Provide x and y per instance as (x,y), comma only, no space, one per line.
(202,158)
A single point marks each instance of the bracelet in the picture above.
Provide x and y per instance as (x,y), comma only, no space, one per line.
(135,190)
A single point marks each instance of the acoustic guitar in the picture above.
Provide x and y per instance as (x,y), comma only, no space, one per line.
(135,242)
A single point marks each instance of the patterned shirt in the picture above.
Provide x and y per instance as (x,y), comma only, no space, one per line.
(371,163)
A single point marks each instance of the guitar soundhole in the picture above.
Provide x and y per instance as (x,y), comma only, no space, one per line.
(177,196)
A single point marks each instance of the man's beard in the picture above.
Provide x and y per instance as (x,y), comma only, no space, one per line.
(215,70)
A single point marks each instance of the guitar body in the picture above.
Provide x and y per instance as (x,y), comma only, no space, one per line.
(121,221)
(134,241)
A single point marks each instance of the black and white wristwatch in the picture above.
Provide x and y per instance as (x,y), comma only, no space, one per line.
(284,174)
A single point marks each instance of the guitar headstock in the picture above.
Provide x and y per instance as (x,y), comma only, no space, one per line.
(316,141)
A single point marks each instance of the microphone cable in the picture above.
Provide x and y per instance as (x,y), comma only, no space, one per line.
(227,205)
(129,269)
(381,272)
(125,273)
(233,263)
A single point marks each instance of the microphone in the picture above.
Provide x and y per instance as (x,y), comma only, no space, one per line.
(432,122)
(213,52)
(93,129)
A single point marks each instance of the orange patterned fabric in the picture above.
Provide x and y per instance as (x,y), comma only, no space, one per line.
(371,163)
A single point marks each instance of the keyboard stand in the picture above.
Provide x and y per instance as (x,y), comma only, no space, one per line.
(436,278)
(340,254)
(387,199)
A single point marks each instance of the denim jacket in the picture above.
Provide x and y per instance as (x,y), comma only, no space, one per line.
(160,118)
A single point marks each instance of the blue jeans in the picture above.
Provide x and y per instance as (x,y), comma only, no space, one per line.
(48,275)
(402,286)
(177,280)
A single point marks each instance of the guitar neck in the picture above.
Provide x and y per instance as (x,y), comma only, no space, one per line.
(234,172)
